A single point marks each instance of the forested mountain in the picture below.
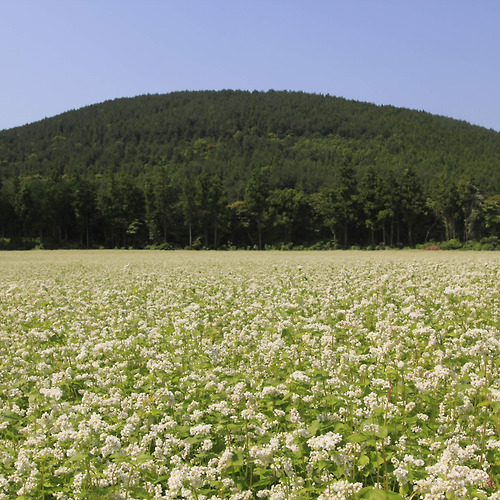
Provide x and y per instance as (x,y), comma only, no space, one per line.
(247,169)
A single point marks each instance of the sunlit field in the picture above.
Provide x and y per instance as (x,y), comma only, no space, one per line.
(204,375)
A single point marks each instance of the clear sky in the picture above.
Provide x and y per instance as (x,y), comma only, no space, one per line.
(441,56)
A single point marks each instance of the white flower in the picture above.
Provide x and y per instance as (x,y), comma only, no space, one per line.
(340,490)
(326,442)
(207,445)
(111,445)
(54,393)
(299,376)
(200,430)
(371,428)
(294,416)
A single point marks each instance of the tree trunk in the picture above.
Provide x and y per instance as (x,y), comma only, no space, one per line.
(215,234)
(87,236)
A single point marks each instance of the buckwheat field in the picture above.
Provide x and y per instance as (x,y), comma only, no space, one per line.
(242,375)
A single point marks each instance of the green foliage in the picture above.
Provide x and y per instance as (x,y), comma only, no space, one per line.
(250,169)
(306,137)
(371,493)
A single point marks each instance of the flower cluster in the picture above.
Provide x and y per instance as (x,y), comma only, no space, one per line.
(249,375)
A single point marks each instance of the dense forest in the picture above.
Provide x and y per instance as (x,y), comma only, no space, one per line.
(237,169)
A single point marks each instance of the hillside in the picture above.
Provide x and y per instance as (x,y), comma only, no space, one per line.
(307,143)
(305,138)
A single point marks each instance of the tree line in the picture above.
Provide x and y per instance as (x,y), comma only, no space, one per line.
(247,169)
(369,211)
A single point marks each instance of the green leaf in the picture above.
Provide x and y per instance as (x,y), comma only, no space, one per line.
(484,403)
(182,430)
(161,479)
(331,399)
(363,460)
(78,457)
(371,493)
(314,427)
(14,417)
(261,472)
(237,460)
(117,457)
(143,457)
(357,438)
(382,431)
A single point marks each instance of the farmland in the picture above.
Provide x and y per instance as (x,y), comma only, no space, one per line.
(293,375)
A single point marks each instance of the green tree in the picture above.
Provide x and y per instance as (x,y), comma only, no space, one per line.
(345,196)
(7,214)
(324,204)
(202,188)
(189,207)
(217,206)
(491,210)
(445,203)
(121,204)
(84,207)
(25,207)
(412,201)
(60,217)
(388,216)
(256,193)
(470,204)
(371,201)
(284,212)
(160,198)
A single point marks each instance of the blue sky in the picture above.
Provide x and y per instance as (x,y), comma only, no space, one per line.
(441,56)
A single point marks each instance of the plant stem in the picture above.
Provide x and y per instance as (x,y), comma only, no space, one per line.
(387,402)
(248,453)
(386,474)
(128,482)
(483,441)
